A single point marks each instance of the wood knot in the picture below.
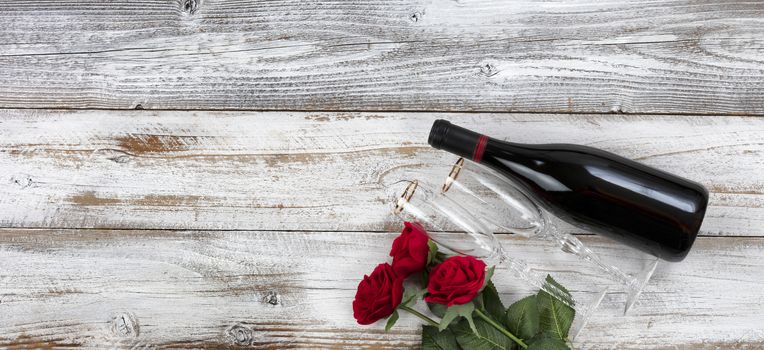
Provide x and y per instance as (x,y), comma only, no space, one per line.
(23,181)
(272,298)
(114,155)
(190,6)
(139,106)
(120,159)
(415,16)
(488,70)
(125,325)
(240,335)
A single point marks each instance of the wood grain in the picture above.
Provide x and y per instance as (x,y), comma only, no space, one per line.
(664,56)
(278,290)
(319,171)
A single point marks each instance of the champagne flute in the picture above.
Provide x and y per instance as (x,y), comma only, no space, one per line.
(509,209)
(436,213)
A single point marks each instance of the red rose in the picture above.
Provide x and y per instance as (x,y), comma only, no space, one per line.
(378,295)
(410,250)
(456,281)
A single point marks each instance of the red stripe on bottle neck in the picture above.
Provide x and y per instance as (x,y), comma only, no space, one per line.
(477,153)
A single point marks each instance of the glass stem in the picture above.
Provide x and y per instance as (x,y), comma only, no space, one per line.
(573,245)
(424,318)
(534,278)
(501,329)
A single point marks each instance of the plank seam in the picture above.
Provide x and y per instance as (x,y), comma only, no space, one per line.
(38,228)
(64,109)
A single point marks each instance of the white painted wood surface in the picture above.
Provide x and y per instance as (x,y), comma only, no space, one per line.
(189,227)
(177,289)
(319,171)
(675,56)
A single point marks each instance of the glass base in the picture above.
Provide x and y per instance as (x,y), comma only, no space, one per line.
(641,281)
(582,319)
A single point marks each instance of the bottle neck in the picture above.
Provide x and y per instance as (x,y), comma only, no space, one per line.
(457,140)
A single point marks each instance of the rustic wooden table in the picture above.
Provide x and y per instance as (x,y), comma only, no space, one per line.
(208,173)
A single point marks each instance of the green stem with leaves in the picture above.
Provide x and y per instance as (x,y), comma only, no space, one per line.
(429,321)
(501,329)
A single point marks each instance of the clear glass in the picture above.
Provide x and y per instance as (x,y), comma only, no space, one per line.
(413,202)
(508,209)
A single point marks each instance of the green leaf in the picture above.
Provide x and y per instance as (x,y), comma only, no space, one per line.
(464,310)
(563,293)
(411,295)
(484,337)
(522,318)
(433,251)
(391,321)
(492,302)
(555,316)
(432,339)
(437,309)
(546,341)
(488,275)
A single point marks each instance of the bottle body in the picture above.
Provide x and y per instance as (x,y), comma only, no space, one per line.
(646,208)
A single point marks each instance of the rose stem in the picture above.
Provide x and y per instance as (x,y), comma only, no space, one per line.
(419,314)
(500,328)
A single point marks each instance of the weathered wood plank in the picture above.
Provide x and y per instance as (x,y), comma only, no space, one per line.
(318,171)
(276,290)
(668,56)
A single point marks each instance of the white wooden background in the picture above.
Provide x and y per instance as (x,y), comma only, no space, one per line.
(209,173)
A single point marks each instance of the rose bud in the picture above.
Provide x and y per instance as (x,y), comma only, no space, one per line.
(378,295)
(456,281)
(410,250)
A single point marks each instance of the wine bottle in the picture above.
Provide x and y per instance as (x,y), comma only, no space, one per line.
(643,207)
